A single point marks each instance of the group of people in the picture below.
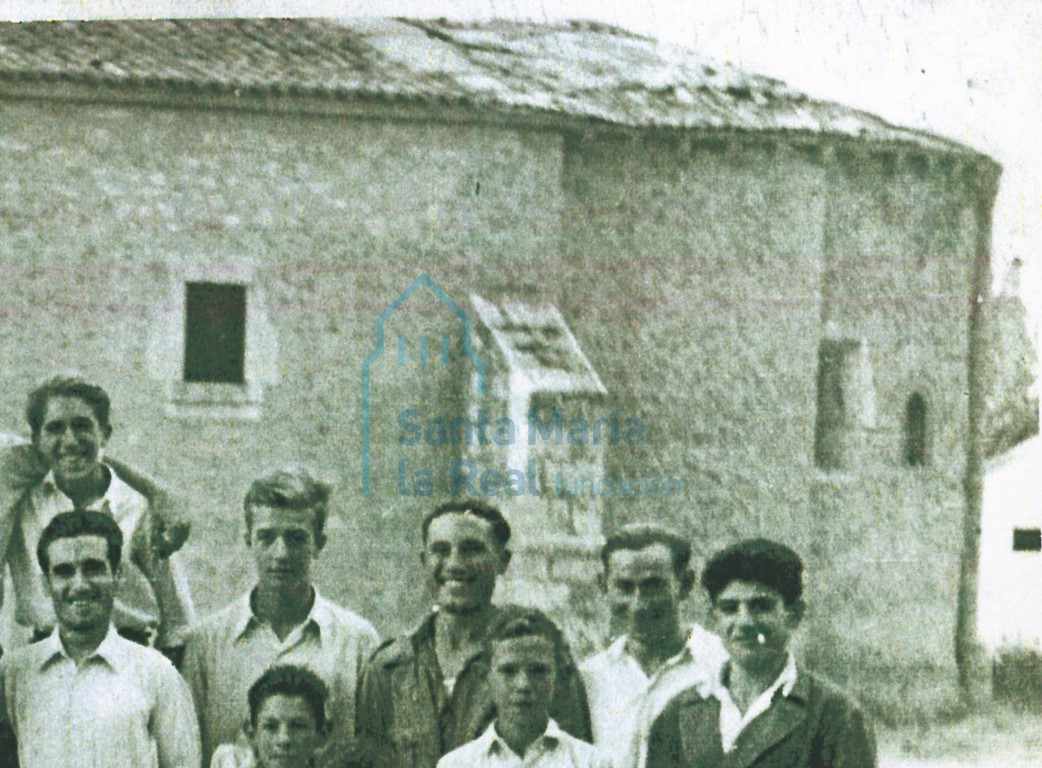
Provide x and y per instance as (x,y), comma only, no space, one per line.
(119,674)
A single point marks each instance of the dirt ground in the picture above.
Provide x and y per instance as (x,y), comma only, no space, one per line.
(1000,738)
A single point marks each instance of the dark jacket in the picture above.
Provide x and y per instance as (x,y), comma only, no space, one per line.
(816,726)
(406,718)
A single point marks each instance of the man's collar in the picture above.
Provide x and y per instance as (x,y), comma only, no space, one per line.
(423,637)
(493,743)
(320,614)
(617,650)
(620,648)
(785,682)
(116,492)
(787,679)
(110,651)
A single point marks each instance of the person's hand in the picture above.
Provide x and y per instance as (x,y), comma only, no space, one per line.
(170,526)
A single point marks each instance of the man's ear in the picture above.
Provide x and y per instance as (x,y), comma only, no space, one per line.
(248,730)
(687,583)
(504,560)
(797,611)
(323,733)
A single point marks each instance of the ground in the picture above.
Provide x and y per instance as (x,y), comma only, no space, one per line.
(999,738)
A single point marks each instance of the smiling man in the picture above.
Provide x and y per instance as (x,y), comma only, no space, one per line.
(762,710)
(69,420)
(282,620)
(647,575)
(85,697)
(427,693)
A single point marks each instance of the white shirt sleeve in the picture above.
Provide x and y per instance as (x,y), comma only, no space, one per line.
(176,728)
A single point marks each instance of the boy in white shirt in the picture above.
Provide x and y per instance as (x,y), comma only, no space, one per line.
(525,647)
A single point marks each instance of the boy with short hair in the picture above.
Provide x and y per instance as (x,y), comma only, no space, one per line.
(86,697)
(287,725)
(282,620)
(66,469)
(524,653)
(763,710)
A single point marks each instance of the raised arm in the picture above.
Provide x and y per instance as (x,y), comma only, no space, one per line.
(20,469)
(170,524)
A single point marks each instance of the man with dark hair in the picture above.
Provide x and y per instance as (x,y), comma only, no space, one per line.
(287,726)
(646,576)
(85,697)
(427,693)
(282,620)
(70,422)
(524,656)
(762,710)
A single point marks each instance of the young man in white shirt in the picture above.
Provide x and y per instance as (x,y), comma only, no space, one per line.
(525,654)
(762,710)
(85,697)
(69,420)
(282,620)
(646,577)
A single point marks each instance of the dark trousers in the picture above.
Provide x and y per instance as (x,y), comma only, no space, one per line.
(8,747)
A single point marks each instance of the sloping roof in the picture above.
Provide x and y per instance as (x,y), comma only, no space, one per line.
(580,70)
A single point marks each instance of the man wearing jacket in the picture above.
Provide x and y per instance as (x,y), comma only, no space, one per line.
(763,710)
(427,693)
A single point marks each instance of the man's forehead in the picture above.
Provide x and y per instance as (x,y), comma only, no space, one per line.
(285,705)
(281,517)
(527,647)
(64,406)
(75,548)
(653,557)
(739,589)
(459,525)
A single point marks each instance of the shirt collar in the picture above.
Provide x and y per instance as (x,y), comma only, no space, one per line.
(110,651)
(785,681)
(492,743)
(320,615)
(617,650)
(116,493)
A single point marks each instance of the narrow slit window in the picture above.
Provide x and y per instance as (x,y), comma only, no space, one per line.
(841,400)
(1027,539)
(915,431)
(215,333)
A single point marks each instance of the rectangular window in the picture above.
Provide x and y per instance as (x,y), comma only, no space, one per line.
(215,333)
(838,400)
(1027,539)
